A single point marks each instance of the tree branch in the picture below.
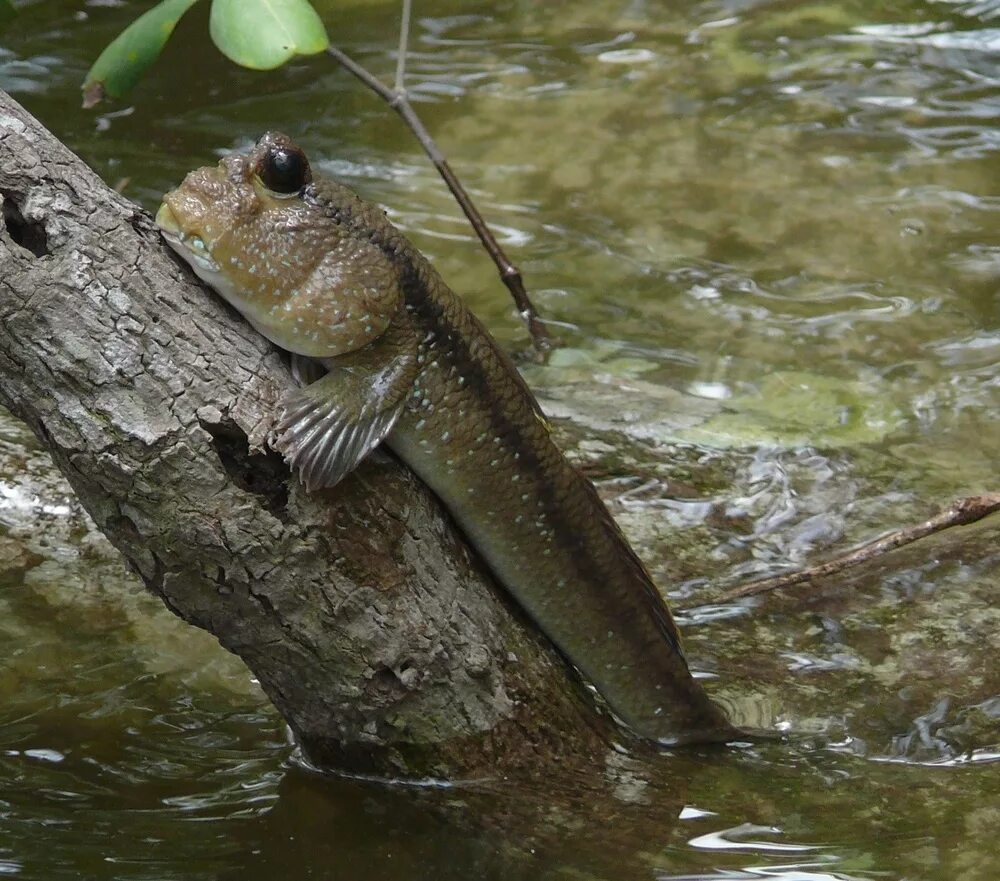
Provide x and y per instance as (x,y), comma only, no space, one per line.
(960,513)
(398,100)
(373,630)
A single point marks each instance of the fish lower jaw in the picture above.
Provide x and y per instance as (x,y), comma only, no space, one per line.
(204,266)
(191,248)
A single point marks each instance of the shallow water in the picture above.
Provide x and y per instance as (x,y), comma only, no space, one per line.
(767,233)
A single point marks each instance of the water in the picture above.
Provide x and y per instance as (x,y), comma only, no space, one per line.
(767,232)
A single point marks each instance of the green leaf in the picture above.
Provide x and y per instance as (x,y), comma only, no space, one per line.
(264,34)
(124,61)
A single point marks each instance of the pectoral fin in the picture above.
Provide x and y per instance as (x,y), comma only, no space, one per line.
(329,426)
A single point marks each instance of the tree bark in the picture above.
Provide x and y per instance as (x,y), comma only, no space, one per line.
(375,632)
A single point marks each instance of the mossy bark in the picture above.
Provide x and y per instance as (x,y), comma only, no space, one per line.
(370,625)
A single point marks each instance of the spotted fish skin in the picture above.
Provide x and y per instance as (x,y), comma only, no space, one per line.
(462,419)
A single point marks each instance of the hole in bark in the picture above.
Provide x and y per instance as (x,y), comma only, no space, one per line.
(385,679)
(264,474)
(222,582)
(27,233)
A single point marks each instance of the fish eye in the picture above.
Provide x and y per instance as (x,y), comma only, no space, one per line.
(284,170)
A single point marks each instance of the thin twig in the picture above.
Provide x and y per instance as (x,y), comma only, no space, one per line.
(959,513)
(404,36)
(397,99)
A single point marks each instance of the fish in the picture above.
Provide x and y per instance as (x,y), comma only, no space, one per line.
(326,276)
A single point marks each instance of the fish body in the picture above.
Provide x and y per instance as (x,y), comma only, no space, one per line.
(327,276)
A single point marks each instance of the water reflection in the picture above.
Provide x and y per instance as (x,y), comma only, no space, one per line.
(738,838)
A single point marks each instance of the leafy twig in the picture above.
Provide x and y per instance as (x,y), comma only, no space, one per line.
(399,101)
(959,513)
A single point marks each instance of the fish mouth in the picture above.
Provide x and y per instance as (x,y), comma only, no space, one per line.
(166,220)
(191,248)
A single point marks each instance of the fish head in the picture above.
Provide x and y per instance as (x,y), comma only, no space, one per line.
(273,242)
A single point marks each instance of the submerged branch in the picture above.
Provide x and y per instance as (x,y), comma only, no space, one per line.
(399,101)
(960,513)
